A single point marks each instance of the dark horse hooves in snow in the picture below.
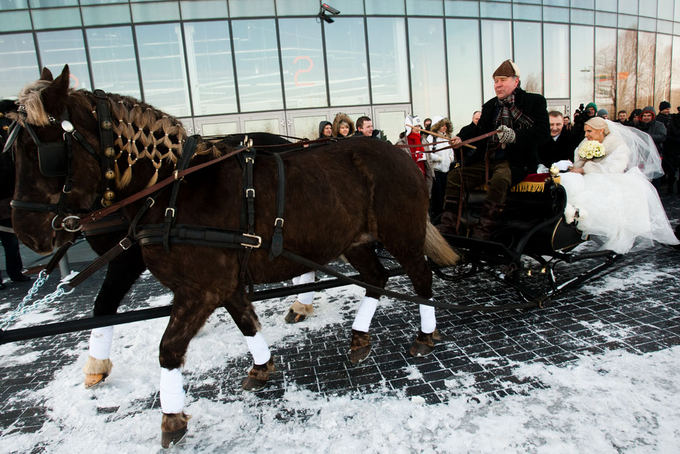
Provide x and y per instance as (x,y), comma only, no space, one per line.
(339,199)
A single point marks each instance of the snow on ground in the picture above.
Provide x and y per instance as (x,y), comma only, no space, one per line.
(608,403)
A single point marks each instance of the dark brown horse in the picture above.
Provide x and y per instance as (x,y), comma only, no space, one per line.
(339,199)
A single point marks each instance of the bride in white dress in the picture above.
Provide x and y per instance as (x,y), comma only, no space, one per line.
(612,195)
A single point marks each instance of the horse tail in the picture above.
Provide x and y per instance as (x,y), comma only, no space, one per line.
(437,248)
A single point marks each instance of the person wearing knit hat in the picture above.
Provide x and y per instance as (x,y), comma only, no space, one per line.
(664,107)
(521,122)
(602,113)
(654,128)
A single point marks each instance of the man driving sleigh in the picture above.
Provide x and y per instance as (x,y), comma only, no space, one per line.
(502,160)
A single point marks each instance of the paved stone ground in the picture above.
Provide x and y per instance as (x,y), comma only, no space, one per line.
(637,318)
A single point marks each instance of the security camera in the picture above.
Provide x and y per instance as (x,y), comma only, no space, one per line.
(330,9)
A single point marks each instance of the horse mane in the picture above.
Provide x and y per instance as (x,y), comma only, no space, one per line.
(140,130)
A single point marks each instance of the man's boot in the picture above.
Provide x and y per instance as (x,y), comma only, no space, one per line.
(488,220)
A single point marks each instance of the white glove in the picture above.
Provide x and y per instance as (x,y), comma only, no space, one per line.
(505,134)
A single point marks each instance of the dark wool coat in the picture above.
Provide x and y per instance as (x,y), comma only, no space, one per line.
(558,150)
(523,154)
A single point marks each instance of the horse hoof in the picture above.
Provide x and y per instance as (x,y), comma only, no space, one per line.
(292,317)
(423,345)
(360,347)
(92,380)
(173,428)
(258,376)
(172,438)
(298,312)
(96,371)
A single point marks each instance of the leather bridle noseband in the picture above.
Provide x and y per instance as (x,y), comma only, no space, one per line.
(55,160)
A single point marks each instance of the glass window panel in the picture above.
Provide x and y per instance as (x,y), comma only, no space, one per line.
(582,16)
(346,58)
(526,12)
(628,6)
(606,19)
(204,9)
(249,8)
(461,8)
(257,64)
(626,21)
(219,129)
(270,125)
(676,28)
(648,8)
(555,14)
(675,73)
(307,125)
(391,122)
(211,69)
(51,3)
(645,68)
(665,9)
(556,2)
(297,7)
(606,5)
(496,10)
(428,70)
(13,4)
(349,6)
(424,7)
(677,13)
(103,15)
(101,2)
(664,26)
(154,12)
(496,48)
(55,18)
(605,68)
(388,57)
(662,77)
(19,63)
(161,58)
(588,4)
(59,48)
(527,41)
(582,68)
(112,53)
(14,21)
(556,57)
(647,24)
(378,7)
(302,61)
(626,62)
(465,81)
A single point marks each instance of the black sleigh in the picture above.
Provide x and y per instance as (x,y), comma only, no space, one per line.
(531,247)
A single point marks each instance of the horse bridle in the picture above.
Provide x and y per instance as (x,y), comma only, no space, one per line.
(55,161)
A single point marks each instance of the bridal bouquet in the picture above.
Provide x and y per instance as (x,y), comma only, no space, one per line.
(590,149)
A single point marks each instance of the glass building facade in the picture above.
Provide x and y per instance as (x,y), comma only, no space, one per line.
(226,66)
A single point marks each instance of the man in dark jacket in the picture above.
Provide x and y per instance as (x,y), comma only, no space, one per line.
(561,144)
(521,120)
(671,146)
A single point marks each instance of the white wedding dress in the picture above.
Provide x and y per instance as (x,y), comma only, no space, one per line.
(617,204)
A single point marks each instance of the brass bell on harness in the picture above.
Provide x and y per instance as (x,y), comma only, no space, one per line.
(109,152)
(109,174)
(106,124)
(109,195)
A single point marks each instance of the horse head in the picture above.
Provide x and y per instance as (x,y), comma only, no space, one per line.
(76,152)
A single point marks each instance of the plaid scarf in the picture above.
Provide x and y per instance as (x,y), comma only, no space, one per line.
(510,116)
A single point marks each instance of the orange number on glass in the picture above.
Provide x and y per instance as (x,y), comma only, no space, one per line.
(75,80)
(303,70)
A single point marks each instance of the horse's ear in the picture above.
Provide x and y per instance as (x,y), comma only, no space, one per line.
(55,94)
(46,74)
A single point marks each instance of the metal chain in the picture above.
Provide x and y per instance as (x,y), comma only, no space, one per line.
(22,309)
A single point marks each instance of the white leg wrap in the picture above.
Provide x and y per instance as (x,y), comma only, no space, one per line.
(258,348)
(100,342)
(428,322)
(307,278)
(362,321)
(172,392)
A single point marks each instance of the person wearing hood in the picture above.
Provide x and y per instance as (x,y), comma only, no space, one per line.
(634,118)
(343,126)
(654,128)
(589,111)
(440,161)
(413,127)
(325,129)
